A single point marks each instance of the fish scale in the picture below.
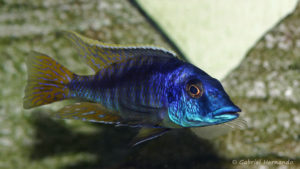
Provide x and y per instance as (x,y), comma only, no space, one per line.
(138,86)
(108,82)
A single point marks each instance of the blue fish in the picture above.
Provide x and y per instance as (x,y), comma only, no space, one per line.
(139,86)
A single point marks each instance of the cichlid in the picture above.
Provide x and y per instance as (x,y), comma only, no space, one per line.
(140,86)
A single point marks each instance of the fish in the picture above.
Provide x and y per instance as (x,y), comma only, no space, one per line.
(138,86)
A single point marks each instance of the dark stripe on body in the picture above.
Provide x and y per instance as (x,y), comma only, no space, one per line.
(134,82)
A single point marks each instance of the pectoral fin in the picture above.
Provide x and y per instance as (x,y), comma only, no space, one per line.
(146,134)
(87,111)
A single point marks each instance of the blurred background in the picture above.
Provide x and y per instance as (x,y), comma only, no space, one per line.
(252,46)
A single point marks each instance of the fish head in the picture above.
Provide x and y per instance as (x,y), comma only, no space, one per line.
(196,99)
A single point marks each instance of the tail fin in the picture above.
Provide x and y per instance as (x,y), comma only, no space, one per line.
(47,81)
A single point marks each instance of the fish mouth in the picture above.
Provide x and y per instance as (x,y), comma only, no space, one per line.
(228,113)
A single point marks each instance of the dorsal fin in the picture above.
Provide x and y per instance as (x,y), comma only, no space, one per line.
(99,55)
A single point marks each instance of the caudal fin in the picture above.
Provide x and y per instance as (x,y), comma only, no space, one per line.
(47,81)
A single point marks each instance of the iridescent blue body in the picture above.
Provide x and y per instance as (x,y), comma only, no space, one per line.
(149,87)
(135,86)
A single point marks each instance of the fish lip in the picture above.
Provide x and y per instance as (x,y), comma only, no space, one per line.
(229,112)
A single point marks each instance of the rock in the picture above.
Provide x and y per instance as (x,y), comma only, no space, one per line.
(27,25)
(266,86)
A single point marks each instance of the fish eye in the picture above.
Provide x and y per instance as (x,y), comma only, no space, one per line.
(194,89)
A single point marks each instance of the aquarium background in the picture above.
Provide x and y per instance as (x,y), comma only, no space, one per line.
(264,82)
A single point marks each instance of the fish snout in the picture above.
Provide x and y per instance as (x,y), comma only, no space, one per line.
(227,113)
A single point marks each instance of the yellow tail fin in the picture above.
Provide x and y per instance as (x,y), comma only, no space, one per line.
(47,81)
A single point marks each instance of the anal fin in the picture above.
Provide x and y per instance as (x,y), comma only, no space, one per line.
(87,111)
(146,134)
